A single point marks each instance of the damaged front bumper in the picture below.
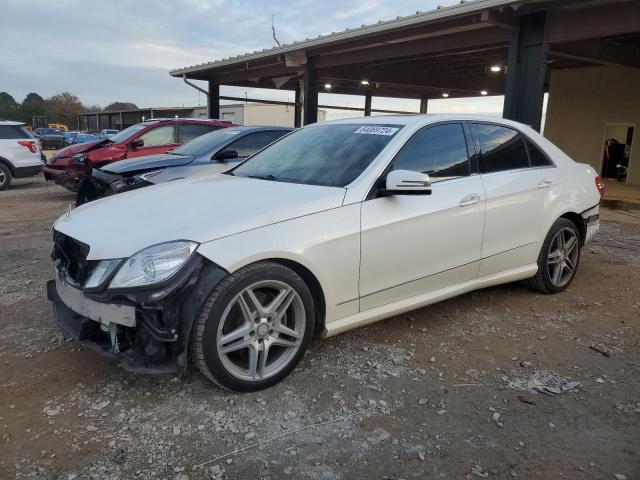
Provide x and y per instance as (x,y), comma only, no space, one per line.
(147,335)
(112,183)
(64,176)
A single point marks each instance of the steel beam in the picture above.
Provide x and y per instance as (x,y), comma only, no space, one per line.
(603,19)
(311,81)
(367,104)
(297,108)
(524,89)
(444,43)
(424,102)
(599,51)
(213,101)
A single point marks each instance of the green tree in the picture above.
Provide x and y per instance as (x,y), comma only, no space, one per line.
(9,108)
(117,106)
(33,104)
(64,108)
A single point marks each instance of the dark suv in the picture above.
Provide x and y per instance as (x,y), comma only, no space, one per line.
(50,138)
(71,166)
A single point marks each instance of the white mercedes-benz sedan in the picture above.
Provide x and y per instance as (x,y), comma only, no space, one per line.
(334,226)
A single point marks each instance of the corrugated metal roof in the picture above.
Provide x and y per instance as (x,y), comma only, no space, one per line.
(464,7)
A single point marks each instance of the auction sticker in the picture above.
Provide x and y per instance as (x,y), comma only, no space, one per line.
(376,130)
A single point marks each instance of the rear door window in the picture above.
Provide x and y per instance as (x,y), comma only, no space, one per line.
(502,148)
(189,131)
(10,132)
(439,151)
(536,156)
(162,135)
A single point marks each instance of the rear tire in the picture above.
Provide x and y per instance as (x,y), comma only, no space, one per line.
(5,177)
(254,328)
(558,259)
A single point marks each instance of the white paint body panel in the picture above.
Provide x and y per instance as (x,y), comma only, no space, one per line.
(200,209)
(440,234)
(372,258)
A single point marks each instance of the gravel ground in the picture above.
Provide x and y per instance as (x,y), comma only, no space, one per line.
(500,383)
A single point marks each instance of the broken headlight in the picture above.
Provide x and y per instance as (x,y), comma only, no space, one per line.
(101,272)
(153,265)
(147,175)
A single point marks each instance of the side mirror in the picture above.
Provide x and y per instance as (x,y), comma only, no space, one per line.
(137,143)
(226,154)
(406,182)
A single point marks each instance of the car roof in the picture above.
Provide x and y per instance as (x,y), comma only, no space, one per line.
(422,119)
(185,120)
(9,122)
(254,128)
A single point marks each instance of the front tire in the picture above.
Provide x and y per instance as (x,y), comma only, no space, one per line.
(254,328)
(86,193)
(558,259)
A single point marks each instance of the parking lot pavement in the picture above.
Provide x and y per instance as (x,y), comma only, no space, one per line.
(441,392)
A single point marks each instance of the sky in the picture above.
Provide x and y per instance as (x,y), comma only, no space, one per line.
(122,50)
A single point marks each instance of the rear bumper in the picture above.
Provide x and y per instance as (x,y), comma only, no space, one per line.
(30,171)
(591,220)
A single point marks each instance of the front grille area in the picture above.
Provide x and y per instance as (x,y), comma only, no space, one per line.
(73,257)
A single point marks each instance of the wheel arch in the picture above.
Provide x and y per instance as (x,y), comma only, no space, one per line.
(9,165)
(579,222)
(314,285)
(301,268)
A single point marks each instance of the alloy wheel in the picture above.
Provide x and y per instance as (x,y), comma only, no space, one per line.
(3,178)
(563,256)
(261,330)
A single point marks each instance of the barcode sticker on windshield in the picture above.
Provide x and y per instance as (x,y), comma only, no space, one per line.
(375,130)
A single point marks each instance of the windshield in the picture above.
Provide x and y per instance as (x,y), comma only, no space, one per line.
(127,133)
(328,155)
(207,142)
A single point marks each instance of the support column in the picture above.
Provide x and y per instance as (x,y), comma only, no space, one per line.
(311,79)
(297,108)
(213,100)
(424,102)
(524,89)
(367,104)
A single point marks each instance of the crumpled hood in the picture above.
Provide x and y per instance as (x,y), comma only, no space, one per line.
(147,163)
(201,209)
(65,154)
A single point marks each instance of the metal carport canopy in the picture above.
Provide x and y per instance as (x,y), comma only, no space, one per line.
(445,51)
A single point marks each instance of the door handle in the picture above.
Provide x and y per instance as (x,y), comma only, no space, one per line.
(545,183)
(469,200)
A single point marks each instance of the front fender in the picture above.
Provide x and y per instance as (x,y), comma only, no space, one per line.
(327,244)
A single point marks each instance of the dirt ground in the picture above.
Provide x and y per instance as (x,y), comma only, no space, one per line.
(440,392)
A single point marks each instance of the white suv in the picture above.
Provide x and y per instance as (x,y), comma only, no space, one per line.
(20,154)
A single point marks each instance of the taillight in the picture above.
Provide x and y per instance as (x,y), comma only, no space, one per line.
(600,186)
(30,144)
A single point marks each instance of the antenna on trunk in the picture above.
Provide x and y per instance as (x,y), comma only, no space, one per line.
(273,29)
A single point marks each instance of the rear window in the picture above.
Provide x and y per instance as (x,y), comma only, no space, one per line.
(189,131)
(502,148)
(10,132)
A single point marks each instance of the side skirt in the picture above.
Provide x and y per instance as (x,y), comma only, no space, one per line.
(385,311)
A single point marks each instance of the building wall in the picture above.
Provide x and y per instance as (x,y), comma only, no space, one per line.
(582,101)
(256,114)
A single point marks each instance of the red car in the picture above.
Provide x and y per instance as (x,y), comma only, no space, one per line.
(72,166)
